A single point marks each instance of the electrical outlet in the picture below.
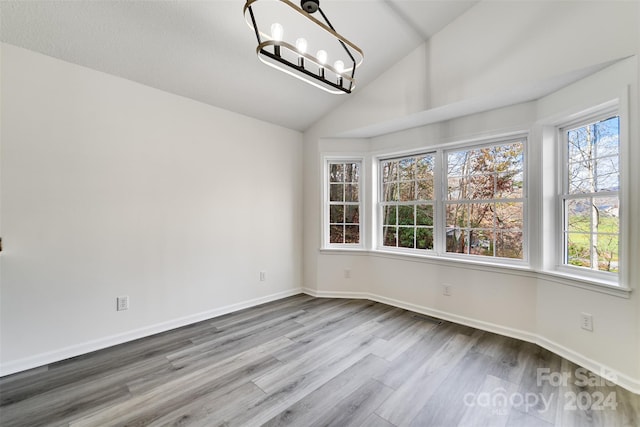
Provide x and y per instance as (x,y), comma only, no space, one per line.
(122,303)
(263,276)
(586,321)
(347,273)
(446,289)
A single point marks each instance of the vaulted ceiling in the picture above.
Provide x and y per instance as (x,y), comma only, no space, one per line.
(205,51)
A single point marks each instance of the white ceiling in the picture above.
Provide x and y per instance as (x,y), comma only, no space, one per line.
(205,51)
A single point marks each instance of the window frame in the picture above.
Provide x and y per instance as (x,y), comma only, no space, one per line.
(493,142)
(591,116)
(440,193)
(326,216)
(381,204)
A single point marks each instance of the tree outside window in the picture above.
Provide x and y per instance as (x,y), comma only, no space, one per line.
(591,202)
(407,202)
(344,202)
(484,206)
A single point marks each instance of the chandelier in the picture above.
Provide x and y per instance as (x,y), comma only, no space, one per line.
(332,68)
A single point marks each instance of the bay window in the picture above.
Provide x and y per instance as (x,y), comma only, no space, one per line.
(590,199)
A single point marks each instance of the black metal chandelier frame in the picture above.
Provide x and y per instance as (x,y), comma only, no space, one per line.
(345,81)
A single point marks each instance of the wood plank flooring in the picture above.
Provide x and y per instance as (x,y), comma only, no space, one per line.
(304,361)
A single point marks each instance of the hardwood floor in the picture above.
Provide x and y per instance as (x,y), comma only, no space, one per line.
(305,361)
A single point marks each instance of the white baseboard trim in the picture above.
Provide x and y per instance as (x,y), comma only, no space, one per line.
(613,375)
(42,359)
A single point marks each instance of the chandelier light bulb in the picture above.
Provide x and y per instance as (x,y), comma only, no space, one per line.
(301,45)
(339,67)
(322,56)
(277,32)
(300,57)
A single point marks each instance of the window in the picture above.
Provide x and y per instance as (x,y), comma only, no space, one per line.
(344,206)
(467,200)
(484,206)
(590,198)
(407,201)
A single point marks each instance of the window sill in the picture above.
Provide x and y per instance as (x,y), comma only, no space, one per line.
(567,279)
(345,250)
(598,285)
(494,266)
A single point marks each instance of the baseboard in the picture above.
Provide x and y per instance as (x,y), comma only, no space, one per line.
(20,365)
(619,378)
(101,343)
(604,371)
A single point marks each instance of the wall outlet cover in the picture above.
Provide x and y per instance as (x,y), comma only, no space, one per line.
(122,303)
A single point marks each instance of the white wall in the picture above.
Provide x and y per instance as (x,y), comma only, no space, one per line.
(495,48)
(501,45)
(112,188)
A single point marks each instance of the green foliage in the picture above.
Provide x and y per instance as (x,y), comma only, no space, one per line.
(606,251)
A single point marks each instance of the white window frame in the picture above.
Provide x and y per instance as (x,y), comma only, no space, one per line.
(326,204)
(440,190)
(593,115)
(524,200)
(381,203)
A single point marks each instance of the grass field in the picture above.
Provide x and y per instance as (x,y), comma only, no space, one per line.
(606,236)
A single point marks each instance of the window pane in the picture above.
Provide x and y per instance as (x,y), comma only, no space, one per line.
(424,167)
(509,244)
(351,234)
(481,159)
(581,177)
(457,241)
(336,193)
(407,169)
(405,215)
(351,193)
(352,214)
(608,214)
(457,163)
(336,214)
(509,186)
(425,190)
(509,158)
(481,215)
(424,215)
(579,214)
(510,215)
(406,237)
(424,238)
(389,171)
(481,242)
(343,201)
(336,172)
(351,172)
(336,234)
(578,249)
(407,191)
(389,236)
(390,215)
(607,139)
(580,142)
(454,189)
(593,157)
(480,187)
(457,215)
(607,175)
(390,192)
(607,252)
(606,227)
